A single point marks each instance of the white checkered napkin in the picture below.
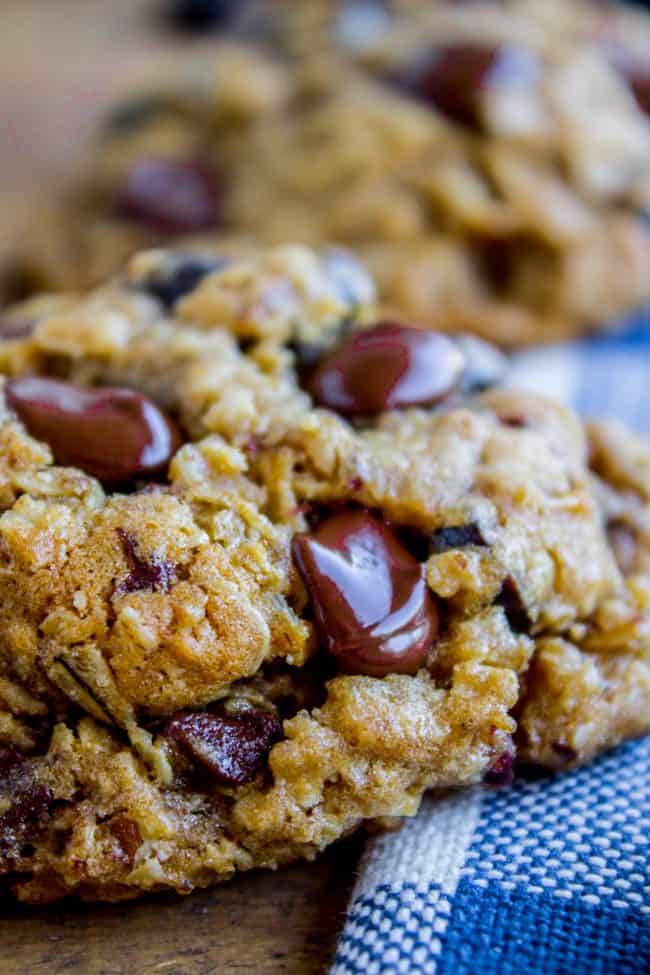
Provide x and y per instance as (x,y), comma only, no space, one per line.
(549,877)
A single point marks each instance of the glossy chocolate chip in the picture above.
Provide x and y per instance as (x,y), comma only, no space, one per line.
(514,606)
(387,367)
(180,275)
(170,197)
(233,748)
(485,365)
(114,435)
(372,607)
(155,574)
(456,536)
(452,78)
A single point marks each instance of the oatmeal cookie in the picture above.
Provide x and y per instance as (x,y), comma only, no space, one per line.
(272,567)
(491,162)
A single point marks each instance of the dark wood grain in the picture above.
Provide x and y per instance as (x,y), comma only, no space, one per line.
(61,63)
(282,923)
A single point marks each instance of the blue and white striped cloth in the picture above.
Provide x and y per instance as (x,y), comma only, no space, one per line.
(551,876)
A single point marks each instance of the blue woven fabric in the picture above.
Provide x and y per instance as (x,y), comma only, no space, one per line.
(551,876)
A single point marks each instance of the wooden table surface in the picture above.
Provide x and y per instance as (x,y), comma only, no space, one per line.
(61,63)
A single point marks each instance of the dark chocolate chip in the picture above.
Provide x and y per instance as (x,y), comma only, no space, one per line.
(180,275)
(452,78)
(514,606)
(170,197)
(233,748)
(115,435)
(387,367)
(155,574)
(456,536)
(372,608)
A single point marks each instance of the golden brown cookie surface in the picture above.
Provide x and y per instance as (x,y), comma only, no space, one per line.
(359,578)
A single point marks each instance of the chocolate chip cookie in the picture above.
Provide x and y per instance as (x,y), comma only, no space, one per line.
(272,566)
(491,161)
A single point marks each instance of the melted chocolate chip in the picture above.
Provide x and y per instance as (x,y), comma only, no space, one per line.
(452,78)
(387,367)
(456,536)
(233,748)
(502,770)
(156,574)
(180,276)
(170,197)
(114,435)
(515,608)
(372,608)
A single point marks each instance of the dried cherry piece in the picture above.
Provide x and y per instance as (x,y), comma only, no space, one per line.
(233,748)
(452,78)
(372,607)
(180,276)
(156,574)
(170,197)
(387,367)
(112,434)
(456,536)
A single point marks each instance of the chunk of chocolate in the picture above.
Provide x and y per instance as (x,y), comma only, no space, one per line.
(372,607)
(233,748)
(456,536)
(453,78)
(388,367)
(179,276)
(115,435)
